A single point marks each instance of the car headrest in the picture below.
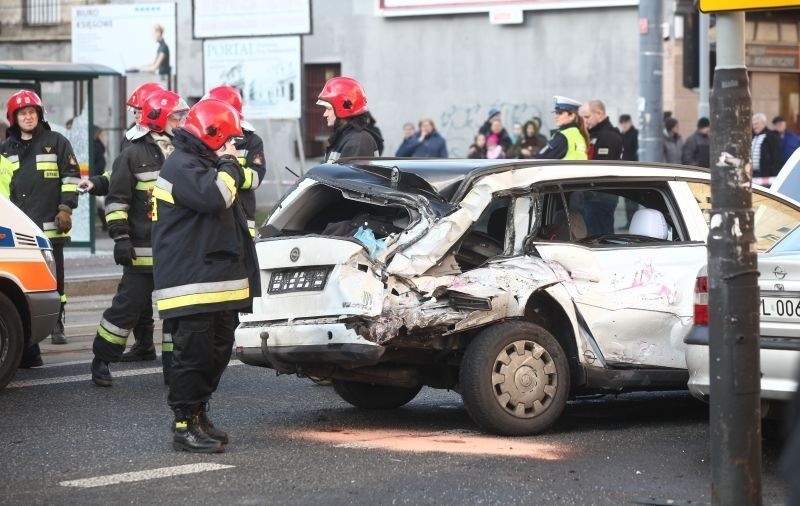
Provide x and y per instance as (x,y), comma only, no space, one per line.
(649,223)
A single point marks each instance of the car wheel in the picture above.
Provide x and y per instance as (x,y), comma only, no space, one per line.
(11,340)
(514,379)
(368,396)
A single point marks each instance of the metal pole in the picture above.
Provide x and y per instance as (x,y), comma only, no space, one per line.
(705,70)
(90,120)
(651,140)
(735,414)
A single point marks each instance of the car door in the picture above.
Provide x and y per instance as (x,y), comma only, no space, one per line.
(634,291)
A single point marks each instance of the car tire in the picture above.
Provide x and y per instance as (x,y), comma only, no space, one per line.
(514,379)
(11,340)
(369,396)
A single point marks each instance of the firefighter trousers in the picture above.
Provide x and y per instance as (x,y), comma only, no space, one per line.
(131,310)
(202,346)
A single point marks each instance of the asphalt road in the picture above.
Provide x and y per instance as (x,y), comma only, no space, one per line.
(65,441)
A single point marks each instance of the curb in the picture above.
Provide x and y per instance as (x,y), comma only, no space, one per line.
(106,285)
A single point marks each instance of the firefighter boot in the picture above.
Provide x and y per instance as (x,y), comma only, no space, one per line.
(212,431)
(188,434)
(143,348)
(57,334)
(101,376)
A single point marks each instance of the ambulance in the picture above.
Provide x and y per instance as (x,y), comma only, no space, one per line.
(29,301)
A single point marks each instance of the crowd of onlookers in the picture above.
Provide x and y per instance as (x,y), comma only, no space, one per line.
(770,147)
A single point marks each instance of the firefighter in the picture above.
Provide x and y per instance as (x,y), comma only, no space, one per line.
(250,153)
(98,185)
(346,111)
(43,184)
(128,213)
(205,268)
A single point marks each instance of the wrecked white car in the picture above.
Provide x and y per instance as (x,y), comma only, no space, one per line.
(517,284)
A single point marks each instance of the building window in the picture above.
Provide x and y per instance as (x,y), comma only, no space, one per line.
(42,12)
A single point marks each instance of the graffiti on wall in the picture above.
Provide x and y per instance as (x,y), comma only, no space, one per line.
(458,124)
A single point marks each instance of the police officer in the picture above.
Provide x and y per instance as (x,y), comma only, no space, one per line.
(570,141)
(249,152)
(205,269)
(346,111)
(128,214)
(44,180)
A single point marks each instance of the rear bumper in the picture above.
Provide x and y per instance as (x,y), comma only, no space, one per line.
(779,360)
(45,308)
(326,344)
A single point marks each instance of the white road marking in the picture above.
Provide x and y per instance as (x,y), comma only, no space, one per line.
(149,474)
(88,377)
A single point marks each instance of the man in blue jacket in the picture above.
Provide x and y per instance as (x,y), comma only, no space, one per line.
(428,144)
(789,140)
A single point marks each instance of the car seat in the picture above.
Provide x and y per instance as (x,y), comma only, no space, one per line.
(649,223)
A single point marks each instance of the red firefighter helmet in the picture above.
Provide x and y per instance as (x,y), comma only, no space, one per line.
(22,99)
(345,95)
(227,94)
(158,106)
(213,122)
(140,93)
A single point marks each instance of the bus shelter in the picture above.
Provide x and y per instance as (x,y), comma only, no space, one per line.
(30,75)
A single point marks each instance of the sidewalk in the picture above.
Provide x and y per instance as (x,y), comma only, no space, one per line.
(91,274)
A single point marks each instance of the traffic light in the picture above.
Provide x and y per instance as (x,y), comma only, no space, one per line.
(691,51)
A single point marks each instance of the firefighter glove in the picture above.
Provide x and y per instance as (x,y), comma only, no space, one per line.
(123,252)
(63,219)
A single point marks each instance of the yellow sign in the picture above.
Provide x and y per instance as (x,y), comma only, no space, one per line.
(744,5)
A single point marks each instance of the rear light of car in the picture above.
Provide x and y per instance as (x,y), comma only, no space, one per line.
(701,301)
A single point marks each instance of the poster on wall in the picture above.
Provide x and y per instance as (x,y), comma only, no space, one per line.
(248,18)
(125,37)
(265,70)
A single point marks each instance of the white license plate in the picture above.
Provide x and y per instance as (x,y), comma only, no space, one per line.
(780,309)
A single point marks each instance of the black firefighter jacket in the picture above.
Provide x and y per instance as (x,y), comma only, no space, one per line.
(250,153)
(203,257)
(128,204)
(351,139)
(45,174)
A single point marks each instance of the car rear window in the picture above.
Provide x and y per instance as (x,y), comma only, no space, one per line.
(773,218)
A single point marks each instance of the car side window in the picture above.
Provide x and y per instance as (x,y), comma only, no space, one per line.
(609,216)
(773,218)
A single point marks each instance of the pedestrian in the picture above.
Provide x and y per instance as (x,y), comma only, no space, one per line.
(409,132)
(789,140)
(630,138)
(205,268)
(530,142)
(493,148)
(571,139)
(697,148)
(494,114)
(99,170)
(516,132)
(44,183)
(478,148)
(129,216)
(605,141)
(250,153)
(766,148)
(673,142)
(345,105)
(428,144)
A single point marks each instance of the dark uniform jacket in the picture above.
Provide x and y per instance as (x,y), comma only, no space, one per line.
(45,174)
(351,139)
(129,201)
(250,153)
(204,258)
(630,144)
(605,142)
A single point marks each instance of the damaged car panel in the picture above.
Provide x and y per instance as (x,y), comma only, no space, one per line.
(515,283)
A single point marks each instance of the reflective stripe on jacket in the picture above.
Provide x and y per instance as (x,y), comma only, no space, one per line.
(250,153)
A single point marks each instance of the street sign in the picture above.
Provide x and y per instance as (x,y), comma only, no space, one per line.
(744,5)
